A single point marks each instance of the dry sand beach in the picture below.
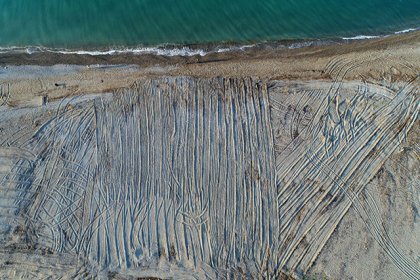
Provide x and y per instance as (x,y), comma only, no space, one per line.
(267,163)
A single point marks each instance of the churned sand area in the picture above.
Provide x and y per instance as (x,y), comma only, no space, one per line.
(267,163)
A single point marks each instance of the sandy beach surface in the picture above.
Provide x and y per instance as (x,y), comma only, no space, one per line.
(51,76)
(258,164)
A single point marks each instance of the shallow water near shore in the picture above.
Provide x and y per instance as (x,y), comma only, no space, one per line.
(94,24)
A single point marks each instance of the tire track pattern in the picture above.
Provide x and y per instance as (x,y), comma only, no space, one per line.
(185,173)
(351,133)
(54,201)
(176,172)
(215,178)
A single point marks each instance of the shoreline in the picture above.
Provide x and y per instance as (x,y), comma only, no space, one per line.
(38,55)
(34,78)
(194,49)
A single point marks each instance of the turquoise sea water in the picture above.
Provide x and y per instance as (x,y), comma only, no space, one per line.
(105,23)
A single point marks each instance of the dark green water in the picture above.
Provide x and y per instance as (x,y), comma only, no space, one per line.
(105,23)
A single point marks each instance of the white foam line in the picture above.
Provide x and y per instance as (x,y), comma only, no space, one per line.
(360,37)
(185,51)
(406,30)
(181,51)
(363,37)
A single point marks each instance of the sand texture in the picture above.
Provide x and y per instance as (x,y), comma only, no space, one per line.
(301,164)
